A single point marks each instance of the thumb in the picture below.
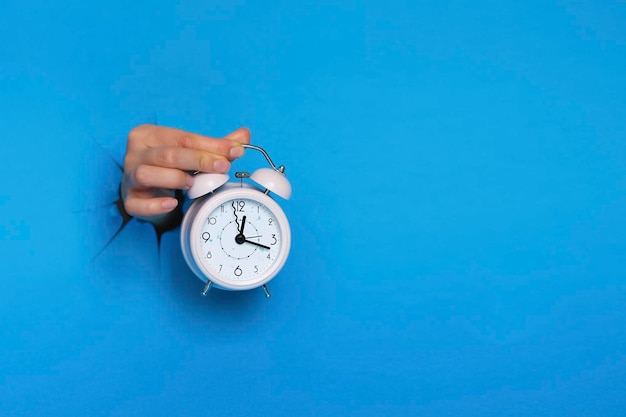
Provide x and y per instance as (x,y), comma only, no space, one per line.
(241,135)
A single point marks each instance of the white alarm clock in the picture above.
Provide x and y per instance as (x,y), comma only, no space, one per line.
(234,235)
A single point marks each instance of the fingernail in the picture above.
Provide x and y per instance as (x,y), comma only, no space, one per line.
(189,180)
(236,151)
(169,204)
(221,166)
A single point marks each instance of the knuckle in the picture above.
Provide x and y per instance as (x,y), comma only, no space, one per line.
(205,161)
(142,175)
(187,142)
(138,133)
(167,157)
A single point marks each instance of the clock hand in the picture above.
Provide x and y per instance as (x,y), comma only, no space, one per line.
(258,244)
(241,238)
(243,224)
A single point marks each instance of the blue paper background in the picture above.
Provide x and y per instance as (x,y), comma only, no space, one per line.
(458,210)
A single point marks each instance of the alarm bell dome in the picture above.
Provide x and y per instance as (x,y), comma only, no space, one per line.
(273,181)
(205,183)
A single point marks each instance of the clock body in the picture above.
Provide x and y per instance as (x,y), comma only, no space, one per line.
(237,237)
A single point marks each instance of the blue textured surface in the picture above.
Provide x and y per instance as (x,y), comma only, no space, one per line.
(459,175)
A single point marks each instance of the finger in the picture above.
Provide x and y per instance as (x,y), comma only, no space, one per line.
(146,208)
(150,176)
(185,159)
(238,137)
(149,136)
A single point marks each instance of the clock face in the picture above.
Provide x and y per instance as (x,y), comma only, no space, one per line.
(239,241)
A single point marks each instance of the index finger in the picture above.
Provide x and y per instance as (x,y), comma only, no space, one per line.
(150,136)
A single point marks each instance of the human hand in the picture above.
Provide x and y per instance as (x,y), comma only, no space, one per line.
(158,161)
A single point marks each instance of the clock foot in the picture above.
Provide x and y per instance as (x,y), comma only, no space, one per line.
(267,292)
(207,287)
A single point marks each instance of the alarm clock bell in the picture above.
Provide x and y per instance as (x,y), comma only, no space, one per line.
(273,181)
(205,183)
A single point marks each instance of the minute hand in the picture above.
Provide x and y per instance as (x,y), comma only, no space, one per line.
(258,244)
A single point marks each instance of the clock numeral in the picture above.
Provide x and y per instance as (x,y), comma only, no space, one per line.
(256,269)
(275,240)
(220,268)
(209,255)
(268,256)
(206,236)
(212,220)
(270,221)
(238,205)
(222,208)
(238,271)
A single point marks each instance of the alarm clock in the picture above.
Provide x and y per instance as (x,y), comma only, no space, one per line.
(235,236)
